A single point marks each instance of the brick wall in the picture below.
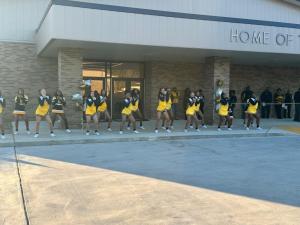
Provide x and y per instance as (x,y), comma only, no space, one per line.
(21,68)
(166,74)
(260,77)
(69,80)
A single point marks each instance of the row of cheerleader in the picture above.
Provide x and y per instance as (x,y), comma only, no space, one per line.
(95,106)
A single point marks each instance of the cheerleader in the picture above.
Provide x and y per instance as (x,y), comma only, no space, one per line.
(91,112)
(2,106)
(169,110)
(127,113)
(21,101)
(134,105)
(42,111)
(251,112)
(199,109)
(224,112)
(162,110)
(102,108)
(58,104)
(191,112)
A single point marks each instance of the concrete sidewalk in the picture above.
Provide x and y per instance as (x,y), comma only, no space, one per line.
(270,128)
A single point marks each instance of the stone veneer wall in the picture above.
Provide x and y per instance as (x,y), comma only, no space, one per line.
(21,68)
(260,77)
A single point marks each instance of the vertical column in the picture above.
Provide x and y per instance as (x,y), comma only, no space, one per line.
(216,68)
(69,80)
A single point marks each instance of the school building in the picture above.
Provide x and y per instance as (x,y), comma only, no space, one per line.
(147,44)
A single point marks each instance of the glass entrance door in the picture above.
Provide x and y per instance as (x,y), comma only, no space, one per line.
(120,85)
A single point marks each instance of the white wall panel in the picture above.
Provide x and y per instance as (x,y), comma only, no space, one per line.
(70,23)
(20,18)
(274,10)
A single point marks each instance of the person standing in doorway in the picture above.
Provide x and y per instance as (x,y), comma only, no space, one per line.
(245,96)
(21,101)
(278,103)
(266,100)
(175,101)
(288,101)
(297,105)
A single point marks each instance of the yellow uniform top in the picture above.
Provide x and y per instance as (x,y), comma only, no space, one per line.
(224,107)
(162,103)
(134,104)
(103,105)
(43,107)
(197,104)
(252,106)
(169,104)
(190,111)
(90,106)
(126,107)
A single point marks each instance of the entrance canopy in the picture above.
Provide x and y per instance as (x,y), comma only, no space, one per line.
(115,32)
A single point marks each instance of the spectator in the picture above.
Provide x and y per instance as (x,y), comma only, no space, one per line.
(278,100)
(288,100)
(245,96)
(297,105)
(266,100)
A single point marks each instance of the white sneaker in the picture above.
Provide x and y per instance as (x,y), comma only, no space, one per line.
(204,126)
(142,128)
(197,130)
(219,129)
(229,129)
(36,135)
(185,130)
(259,128)
(121,132)
(163,128)
(136,132)
(87,133)
(28,132)
(2,136)
(191,127)
(68,131)
(156,131)
(97,133)
(109,129)
(16,133)
(128,128)
(168,131)
(247,128)
(52,135)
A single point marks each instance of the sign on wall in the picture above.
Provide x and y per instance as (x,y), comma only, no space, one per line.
(264,38)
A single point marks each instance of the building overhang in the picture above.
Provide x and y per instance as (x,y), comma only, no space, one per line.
(123,33)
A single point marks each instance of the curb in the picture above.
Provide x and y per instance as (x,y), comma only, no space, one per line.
(136,138)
